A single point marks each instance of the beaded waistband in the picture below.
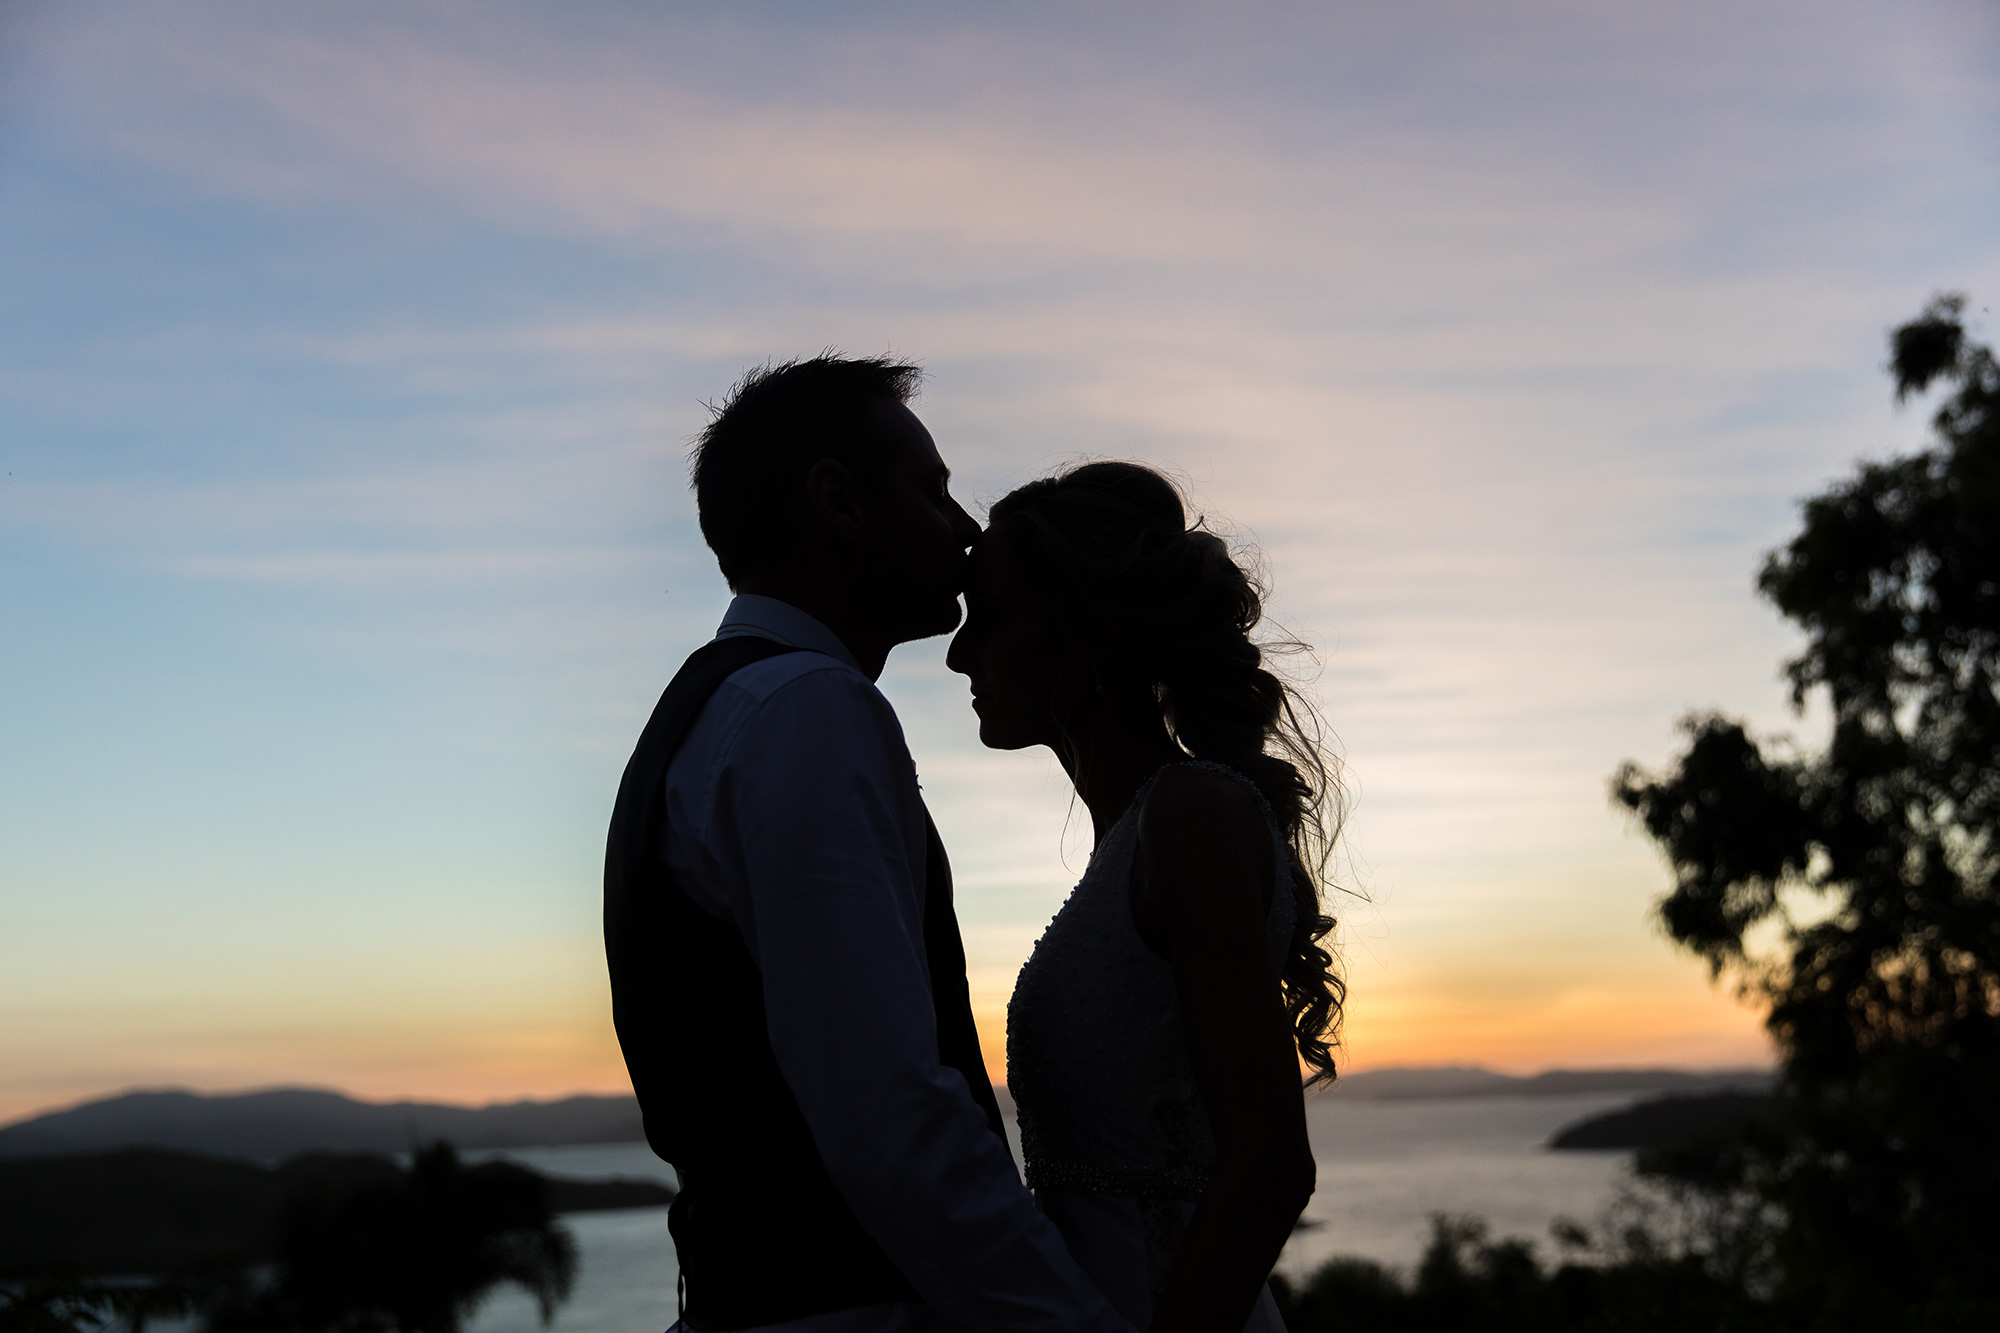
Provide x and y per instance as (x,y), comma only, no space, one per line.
(1127,1182)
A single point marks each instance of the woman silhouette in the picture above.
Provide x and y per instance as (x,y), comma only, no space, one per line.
(1155,1035)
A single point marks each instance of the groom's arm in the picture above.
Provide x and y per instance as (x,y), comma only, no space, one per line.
(818,794)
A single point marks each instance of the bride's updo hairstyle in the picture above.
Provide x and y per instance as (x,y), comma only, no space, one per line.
(1107,548)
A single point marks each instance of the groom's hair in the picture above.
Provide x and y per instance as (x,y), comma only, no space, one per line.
(750,463)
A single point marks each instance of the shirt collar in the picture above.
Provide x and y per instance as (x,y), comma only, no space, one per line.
(769,618)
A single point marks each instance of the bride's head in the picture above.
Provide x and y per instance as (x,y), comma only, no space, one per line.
(1091,592)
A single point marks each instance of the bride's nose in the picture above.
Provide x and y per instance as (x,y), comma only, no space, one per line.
(955,656)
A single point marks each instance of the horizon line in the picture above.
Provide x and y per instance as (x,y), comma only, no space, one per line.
(418,1100)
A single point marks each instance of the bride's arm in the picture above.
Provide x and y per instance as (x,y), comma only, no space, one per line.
(1201,887)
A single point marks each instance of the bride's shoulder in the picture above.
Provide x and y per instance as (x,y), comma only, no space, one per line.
(1203,861)
(1200,803)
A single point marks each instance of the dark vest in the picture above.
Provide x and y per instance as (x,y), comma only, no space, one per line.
(761,1232)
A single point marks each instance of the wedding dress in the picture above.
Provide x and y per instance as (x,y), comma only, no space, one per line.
(1113,1129)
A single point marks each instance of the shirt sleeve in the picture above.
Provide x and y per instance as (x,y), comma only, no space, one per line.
(818,792)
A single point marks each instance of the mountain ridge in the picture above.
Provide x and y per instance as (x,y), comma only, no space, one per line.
(1415,1082)
(273,1123)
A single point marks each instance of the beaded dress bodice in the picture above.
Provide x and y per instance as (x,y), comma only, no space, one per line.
(1096,1061)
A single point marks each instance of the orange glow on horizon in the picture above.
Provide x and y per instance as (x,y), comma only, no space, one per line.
(472,1067)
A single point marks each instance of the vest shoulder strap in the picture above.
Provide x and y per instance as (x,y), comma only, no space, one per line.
(635,832)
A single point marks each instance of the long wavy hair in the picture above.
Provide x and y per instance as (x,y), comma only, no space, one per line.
(1108,548)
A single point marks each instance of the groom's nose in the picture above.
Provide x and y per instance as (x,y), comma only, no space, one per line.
(964,526)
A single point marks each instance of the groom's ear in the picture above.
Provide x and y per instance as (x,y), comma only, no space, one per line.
(835,498)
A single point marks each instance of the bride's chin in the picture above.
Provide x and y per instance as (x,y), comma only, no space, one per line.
(994,740)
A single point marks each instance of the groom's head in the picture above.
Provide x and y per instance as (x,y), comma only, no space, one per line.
(817,472)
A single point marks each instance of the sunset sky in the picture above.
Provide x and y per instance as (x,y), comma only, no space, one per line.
(349,355)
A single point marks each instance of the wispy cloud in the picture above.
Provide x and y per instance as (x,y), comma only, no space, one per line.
(404,568)
(956,151)
(1509,332)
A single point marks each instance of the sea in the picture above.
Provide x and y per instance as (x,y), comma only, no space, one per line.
(1385,1167)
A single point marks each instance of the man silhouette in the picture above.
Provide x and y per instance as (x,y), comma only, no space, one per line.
(787,977)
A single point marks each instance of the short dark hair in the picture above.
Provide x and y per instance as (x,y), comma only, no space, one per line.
(749,465)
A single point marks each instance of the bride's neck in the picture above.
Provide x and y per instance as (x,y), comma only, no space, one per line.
(1110,755)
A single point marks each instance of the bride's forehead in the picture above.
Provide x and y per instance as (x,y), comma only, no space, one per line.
(994,565)
(979,572)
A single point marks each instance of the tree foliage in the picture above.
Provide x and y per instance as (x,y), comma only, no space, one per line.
(413,1255)
(1467,1280)
(1872,864)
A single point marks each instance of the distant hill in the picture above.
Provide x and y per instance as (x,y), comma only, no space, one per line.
(1394,1084)
(272,1125)
(147,1210)
(1659,1122)
(268,1126)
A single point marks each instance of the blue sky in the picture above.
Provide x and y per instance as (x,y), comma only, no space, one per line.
(348,357)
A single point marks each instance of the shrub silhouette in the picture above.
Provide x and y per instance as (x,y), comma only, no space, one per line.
(415,1255)
(54,1299)
(1466,1281)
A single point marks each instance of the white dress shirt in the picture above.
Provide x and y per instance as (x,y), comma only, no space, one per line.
(793,810)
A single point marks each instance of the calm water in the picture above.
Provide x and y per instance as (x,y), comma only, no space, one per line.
(1384,1168)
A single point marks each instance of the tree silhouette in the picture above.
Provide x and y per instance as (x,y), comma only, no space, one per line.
(1872,864)
(415,1255)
